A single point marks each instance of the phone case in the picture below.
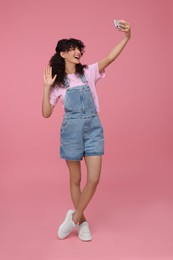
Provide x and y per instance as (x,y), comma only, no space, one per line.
(116,23)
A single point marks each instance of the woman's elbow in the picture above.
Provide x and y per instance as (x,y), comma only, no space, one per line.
(46,114)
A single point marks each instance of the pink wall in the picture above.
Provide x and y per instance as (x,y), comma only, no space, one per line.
(135,100)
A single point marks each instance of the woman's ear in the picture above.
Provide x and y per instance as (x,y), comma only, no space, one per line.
(62,54)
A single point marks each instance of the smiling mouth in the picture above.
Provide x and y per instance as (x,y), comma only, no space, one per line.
(77,57)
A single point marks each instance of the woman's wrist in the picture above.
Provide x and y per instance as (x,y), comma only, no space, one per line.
(47,86)
(127,37)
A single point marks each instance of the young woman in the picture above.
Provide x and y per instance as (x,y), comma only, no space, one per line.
(81,130)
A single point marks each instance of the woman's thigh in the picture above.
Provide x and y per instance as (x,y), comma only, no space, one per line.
(74,170)
(93,164)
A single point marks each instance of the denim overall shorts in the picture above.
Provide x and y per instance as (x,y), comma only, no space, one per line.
(81,131)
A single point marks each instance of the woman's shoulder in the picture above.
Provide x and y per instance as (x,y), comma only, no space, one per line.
(93,72)
(91,68)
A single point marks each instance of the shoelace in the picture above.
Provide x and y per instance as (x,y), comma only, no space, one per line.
(84,229)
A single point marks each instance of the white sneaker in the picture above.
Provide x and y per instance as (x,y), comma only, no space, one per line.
(67,226)
(84,233)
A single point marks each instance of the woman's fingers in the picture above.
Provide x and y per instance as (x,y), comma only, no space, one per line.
(48,75)
(54,77)
(124,25)
(45,73)
(48,71)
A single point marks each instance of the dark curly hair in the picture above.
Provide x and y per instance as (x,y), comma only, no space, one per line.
(58,64)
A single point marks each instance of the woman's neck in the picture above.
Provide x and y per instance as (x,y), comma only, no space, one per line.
(70,68)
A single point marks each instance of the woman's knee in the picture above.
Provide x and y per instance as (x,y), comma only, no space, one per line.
(93,181)
(74,172)
(75,180)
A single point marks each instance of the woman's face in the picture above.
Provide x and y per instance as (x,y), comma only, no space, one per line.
(72,56)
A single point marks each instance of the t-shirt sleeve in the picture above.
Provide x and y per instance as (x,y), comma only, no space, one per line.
(53,99)
(93,72)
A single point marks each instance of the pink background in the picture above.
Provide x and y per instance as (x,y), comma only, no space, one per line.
(132,211)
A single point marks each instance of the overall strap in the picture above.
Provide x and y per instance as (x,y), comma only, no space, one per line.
(66,83)
(82,77)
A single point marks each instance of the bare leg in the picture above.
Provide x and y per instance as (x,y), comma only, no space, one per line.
(93,164)
(75,179)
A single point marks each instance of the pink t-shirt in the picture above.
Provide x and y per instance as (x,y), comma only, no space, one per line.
(92,75)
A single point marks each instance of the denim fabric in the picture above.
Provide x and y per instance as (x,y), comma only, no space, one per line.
(81,129)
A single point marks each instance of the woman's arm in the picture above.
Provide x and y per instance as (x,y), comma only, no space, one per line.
(124,27)
(47,108)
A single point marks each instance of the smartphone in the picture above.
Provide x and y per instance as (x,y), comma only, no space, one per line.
(116,23)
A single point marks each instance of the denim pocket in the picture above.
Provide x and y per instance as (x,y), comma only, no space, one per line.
(64,122)
(73,101)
